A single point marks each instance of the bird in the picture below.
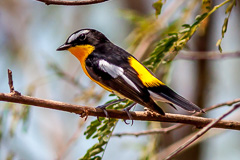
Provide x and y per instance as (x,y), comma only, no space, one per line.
(121,73)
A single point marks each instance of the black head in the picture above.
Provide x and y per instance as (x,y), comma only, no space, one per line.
(84,37)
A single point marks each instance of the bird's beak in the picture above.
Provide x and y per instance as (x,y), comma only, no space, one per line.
(63,47)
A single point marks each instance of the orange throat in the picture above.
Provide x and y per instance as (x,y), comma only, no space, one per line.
(81,52)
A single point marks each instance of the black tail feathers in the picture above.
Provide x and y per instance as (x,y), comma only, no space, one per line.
(171,96)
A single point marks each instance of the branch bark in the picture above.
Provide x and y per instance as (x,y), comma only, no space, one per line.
(206,55)
(71,3)
(85,111)
(176,126)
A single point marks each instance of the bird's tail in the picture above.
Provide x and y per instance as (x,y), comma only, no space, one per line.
(166,94)
(153,106)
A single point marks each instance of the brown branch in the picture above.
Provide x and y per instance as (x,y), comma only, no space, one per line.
(71,3)
(176,126)
(10,83)
(149,132)
(85,111)
(138,115)
(202,132)
(206,55)
(166,151)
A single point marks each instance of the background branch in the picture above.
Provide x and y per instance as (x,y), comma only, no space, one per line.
(176,126)
(71,3)
(201,132)
(206,55)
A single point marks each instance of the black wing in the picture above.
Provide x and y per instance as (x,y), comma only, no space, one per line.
(115,72)
(122,79)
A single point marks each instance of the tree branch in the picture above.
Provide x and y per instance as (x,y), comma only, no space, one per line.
(201,132)
(176,126)
(71,3)
(85,111)
(138,115)
(206,55)
(10,83)
(149,132)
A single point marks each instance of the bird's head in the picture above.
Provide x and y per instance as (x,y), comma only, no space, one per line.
(83,42)
(83,37)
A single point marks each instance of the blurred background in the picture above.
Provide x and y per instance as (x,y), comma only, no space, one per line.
(30,32)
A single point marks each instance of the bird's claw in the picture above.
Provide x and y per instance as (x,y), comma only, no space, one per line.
(129,114)
(103,108)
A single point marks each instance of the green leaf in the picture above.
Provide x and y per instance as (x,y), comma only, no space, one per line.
(225,24)
(185,30)
(186,26)
(90,132)
(96,158)
(219,45)
(103,132)
(91,129)
(96,151)
(230,7)
(200,18)
(158,7)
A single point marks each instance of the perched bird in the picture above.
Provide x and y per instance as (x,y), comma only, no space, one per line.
(119,72)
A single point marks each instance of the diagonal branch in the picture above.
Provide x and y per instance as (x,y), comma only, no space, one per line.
(71,3)
(202,132)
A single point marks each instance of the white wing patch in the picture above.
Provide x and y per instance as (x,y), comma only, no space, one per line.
(76,35)
(115,71)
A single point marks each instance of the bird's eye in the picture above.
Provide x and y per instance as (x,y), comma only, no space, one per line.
(82,37)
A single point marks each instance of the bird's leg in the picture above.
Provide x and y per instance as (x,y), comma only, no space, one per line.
(103,107)
(128,113)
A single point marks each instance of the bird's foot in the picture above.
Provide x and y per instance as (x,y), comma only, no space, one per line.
(127,109)
(104,106)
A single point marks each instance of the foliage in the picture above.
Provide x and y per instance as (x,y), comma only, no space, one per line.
(225,23)
(102,130)
(158,7)
(164,52)
(168,47)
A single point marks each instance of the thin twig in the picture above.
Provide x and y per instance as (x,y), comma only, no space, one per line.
(169,149)
(10,83)
(149,132)
(206,55)
(176,126)
(202,132)
(71,3)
